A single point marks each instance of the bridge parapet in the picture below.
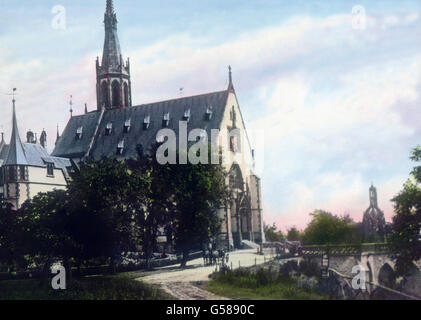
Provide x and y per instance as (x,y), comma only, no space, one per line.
(345,250)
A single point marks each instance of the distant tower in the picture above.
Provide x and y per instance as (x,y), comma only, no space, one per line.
(374,222)
(113,75)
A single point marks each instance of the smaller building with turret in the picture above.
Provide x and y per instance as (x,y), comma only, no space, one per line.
(27,169)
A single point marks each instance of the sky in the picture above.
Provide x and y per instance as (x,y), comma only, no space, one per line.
(334,85)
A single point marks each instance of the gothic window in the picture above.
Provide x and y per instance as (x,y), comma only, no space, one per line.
(126,94)
(105,94)
(116,93)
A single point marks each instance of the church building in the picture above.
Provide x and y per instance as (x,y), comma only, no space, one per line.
(119,129)
(374,223)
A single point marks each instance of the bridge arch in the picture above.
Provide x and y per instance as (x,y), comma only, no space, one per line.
(386,276)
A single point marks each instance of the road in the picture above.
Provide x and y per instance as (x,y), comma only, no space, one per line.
(184,284)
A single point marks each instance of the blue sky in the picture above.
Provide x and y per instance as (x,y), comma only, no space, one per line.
(339,107)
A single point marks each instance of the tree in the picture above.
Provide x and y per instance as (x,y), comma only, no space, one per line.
(151,200)
(326,228)
(406,228)
(273,234)
(200,190)
(102,221)
(10,237)
(293,234)
(46,220)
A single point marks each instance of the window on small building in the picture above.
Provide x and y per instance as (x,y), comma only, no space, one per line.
(22,173)
(120,147)
(79,133)
(108,128)
(12,174)
(146,122)
(50,169)
(127,125)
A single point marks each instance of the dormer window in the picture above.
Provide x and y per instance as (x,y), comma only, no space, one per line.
(209,112)
(108,128)
(127,126)
(50,169)
(120,147)
(186,116)
(146,122)
(79,133)
(166,120)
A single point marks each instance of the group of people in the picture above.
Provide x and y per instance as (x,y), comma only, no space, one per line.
(215,257)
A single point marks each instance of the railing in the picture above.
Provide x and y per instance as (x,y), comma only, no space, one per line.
(347,249)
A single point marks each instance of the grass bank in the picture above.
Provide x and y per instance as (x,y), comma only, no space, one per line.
(110,287)
(261,285)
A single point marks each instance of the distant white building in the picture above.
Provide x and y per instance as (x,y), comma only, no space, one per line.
(27,169)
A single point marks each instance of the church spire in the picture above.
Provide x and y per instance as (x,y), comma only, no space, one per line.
(16,154)
(110,7)
(112,52)
(113,75)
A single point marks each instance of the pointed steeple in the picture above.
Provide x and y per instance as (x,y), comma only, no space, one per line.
(58,134)
(16,154)
(230,84)
(112,52)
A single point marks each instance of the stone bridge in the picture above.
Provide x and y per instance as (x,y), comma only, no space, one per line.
(375,259)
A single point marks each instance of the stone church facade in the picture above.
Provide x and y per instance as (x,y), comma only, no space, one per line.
(118,129)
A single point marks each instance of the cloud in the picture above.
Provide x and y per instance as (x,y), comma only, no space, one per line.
(339,106)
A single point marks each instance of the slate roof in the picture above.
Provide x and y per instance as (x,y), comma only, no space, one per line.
(69,146)
(31,154)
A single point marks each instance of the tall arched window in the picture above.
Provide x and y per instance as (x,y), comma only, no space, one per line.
(116,93)
(105,94)
(126,94)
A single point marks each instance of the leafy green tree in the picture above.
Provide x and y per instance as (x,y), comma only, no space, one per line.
(273,234)
(102,219)
(46,220)
(406,229)
(326,228)
(200,190)
(11,253)
(293,234)
(151,201)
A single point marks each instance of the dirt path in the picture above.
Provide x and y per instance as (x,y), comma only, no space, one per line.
(184,284)
(188,291)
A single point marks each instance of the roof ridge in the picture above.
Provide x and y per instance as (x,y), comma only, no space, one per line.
(181,98)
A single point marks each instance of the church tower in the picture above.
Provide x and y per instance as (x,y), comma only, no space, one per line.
(113,75)
(373,220)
